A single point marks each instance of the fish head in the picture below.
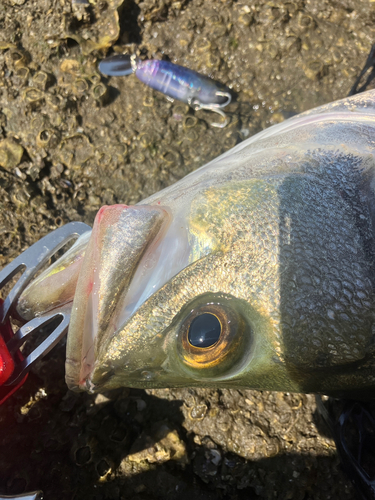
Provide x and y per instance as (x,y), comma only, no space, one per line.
(213,309)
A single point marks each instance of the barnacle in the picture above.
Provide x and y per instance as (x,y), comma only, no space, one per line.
(16,58)
(10,153)
(145,139)
(230,142)
(70,66)
(149,101)
(73,79)
(48,137)
(75,150)
(192,135)
(92,168)
(120,150)
(100,93)
(104,469)
(212,61)
(55,101)
(155,10)
(197,412)
(218,27)
(150,141)
(202,44)
(33,97)
(41,120)
(67,77)
(42,80)
(103,159)
(189,122)
(80,86)
(21,76)
(83,455)
(185,38)
(138,157)
(214,19)
(219,30)
(94,78)
(180,110)
(185,149)
(305,21)
(19,481)
(171,157)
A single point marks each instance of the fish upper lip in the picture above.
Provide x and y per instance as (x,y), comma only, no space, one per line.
(114,282)
(166,256)
(120,237)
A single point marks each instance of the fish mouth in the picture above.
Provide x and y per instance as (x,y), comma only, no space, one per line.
(133,251)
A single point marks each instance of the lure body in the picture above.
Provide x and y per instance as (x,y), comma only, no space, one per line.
(179,83)
(176,82)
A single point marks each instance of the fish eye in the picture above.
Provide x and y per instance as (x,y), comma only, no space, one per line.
(211,338)
(204,330)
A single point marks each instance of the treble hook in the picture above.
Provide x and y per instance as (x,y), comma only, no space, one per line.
(176,82)
(215,108)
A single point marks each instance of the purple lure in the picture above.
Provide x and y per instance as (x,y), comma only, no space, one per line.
(177,82)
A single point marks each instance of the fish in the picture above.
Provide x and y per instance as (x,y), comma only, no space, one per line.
(255,271)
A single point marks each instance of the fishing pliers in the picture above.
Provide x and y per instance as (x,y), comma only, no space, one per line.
(14,366)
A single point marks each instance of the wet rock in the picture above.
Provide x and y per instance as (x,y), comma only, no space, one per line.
(161,445)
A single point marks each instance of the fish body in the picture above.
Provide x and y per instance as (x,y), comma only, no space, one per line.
(255,271)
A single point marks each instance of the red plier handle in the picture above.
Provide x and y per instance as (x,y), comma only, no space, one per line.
(7,362)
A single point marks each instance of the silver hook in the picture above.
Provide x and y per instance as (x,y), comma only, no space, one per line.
(224,94)
(215,108)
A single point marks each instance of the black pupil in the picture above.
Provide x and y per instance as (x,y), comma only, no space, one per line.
(204,330)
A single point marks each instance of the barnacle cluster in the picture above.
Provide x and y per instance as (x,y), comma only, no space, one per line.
(95,25)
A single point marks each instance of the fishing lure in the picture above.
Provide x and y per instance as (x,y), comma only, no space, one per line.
(177,82)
